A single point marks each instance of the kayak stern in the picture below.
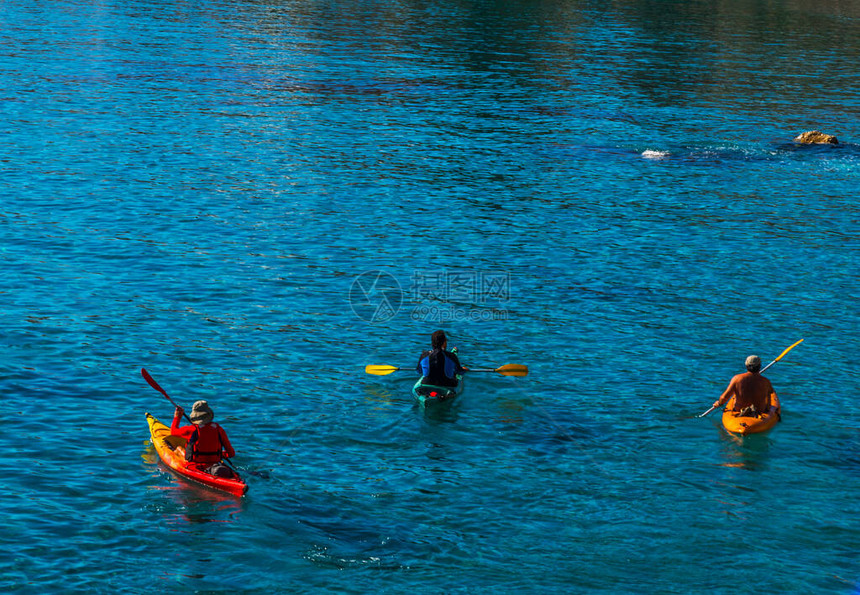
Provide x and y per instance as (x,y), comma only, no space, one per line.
(751,424)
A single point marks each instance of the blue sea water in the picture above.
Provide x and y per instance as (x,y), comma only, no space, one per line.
(254,200)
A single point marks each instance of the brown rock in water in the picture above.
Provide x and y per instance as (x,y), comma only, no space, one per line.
(813,137)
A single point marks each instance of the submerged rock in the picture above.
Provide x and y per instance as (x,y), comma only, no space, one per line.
(813,137)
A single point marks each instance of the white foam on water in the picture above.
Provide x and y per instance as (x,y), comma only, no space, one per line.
(649,154)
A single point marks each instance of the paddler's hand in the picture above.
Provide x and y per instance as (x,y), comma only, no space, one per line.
(179,411)
(716,404)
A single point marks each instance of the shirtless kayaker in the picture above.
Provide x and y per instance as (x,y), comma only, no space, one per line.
(751,390)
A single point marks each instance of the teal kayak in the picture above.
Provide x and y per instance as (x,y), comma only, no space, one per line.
(430,393)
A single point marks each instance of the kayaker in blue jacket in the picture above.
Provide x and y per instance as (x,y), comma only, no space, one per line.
(439,366)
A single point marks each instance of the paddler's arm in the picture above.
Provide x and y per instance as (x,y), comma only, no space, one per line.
(420,367)
(225,442)
(177,417)
(459,369)
(183,431)
(727,394)
(771,395)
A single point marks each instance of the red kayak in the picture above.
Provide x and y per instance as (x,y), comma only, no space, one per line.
(171,449)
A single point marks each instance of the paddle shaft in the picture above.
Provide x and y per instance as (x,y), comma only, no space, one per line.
(763,370)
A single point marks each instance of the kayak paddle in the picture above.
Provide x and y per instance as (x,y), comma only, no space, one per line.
(781,355)
(506,370)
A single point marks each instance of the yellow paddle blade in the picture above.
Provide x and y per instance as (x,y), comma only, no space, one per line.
(380,370)
(787,350)
(513,370)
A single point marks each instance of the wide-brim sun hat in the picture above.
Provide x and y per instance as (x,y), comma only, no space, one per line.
(201,413)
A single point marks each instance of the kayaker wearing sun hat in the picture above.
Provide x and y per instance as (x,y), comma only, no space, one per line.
(751,390)
(207,441)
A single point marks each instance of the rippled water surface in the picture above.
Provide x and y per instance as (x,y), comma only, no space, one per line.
(254,200)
